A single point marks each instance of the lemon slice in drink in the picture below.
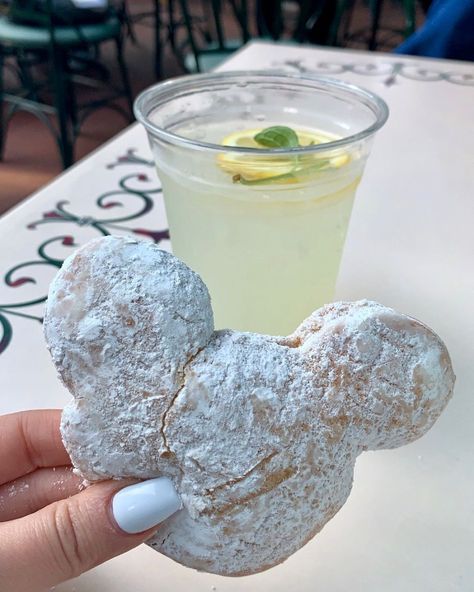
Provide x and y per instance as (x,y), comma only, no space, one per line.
(253,170)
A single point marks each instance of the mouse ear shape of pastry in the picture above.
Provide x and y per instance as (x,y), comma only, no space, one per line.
(122,311)
(387,374)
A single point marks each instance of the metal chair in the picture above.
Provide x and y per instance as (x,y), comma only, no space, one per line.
(312,21)
(54,46)
(207,38)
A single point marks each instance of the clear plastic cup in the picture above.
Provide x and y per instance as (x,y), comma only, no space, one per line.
(264,226)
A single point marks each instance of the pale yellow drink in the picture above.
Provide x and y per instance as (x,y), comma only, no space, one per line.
(269,252)
(264,227)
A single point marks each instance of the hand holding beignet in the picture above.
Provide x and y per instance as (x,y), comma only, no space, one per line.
(259,434)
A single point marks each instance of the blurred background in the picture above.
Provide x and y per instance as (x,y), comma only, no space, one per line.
(71,68)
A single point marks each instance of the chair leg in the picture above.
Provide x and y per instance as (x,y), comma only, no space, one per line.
(334,31)
(172,25)
(410,16)
(270,19)
(348,21)
(376,6)
(126,18)
(60,100)
(2,120)
(158,49)
(189,27)
(124,74)
(71,103)
(25,76)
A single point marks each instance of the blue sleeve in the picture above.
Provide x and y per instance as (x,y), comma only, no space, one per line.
(448,32)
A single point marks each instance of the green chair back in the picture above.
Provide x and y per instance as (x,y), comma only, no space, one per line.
(50,43)
(24,11)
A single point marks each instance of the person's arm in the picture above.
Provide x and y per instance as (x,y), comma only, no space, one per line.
(446,33)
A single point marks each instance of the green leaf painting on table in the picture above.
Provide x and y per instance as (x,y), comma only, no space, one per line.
(11,279)
(6,335)
(136,187)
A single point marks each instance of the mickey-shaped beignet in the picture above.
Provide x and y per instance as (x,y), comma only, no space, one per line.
(259,434)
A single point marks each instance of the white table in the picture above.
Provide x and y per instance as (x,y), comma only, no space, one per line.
(409,523)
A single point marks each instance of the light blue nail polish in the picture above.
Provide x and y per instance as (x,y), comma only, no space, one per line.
(140,506)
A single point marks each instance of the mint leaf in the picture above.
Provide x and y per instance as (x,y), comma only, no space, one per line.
(277,136)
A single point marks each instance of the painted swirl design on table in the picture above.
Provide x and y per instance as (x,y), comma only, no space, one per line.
(390,72)
(130,189)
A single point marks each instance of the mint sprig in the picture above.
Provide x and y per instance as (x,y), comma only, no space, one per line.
(281,136)
(277,136)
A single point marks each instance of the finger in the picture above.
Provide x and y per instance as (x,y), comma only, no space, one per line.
(73,535)
(29,440)
(37,490)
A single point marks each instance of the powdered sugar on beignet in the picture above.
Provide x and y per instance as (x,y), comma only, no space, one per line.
(259,434)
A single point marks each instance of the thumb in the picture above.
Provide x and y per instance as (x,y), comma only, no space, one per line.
(73,535)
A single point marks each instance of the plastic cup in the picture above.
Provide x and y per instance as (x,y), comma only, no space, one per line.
(263,226)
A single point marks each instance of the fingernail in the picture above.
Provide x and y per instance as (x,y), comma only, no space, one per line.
(140,506)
